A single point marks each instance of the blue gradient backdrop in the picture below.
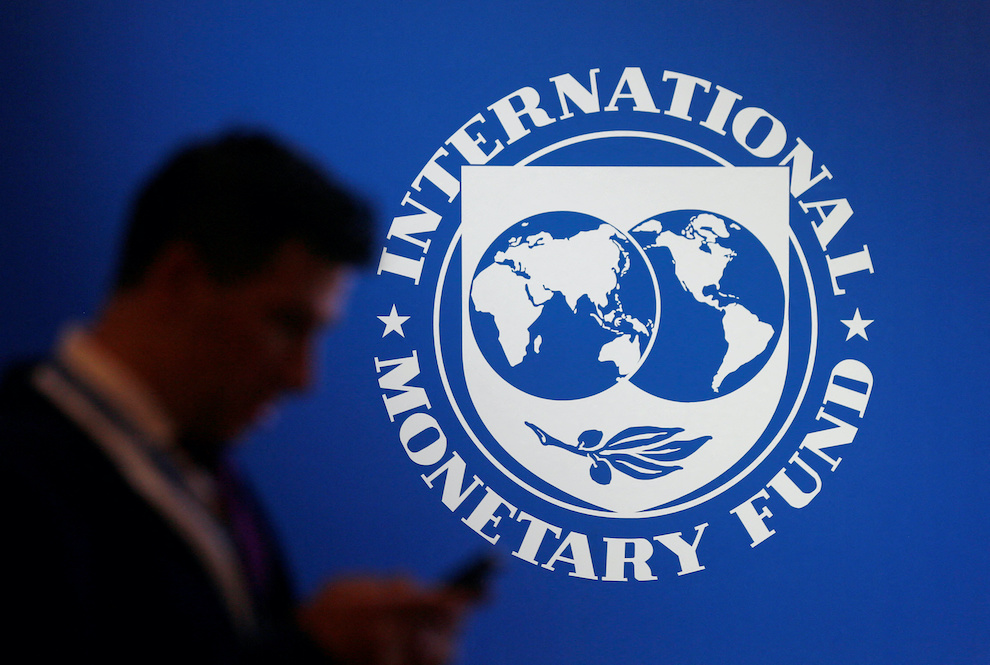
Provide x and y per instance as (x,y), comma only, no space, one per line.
(888,564)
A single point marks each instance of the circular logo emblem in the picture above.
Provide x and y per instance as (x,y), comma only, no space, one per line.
(613,327)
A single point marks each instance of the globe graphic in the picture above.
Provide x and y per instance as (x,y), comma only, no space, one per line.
(563,305)
(723,305)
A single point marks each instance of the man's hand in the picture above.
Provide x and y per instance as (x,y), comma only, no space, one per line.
(378,621)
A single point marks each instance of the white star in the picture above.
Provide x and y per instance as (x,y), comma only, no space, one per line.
(857,326)
(393,322)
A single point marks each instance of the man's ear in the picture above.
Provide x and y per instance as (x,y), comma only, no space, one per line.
(179,276)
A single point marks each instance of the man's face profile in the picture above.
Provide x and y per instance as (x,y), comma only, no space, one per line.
(253,339)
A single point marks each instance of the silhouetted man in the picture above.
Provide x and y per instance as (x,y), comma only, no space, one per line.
(128,535)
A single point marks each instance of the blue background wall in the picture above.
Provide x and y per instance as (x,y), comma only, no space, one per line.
(888,565)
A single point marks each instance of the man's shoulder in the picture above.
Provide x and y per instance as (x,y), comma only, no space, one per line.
(82,534)
(15,385)
(71,496)
(30,424)
(42,451)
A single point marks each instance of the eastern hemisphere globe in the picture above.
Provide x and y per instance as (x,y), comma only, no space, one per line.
(723,305)
(563,305)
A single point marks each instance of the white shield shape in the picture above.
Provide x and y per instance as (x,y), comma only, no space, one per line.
(660,451)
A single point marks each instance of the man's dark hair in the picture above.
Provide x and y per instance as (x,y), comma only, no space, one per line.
(237,200)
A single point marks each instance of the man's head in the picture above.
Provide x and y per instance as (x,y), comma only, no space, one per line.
(237,200)
(234,260)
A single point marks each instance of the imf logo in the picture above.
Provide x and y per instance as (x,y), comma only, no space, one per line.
(622,325)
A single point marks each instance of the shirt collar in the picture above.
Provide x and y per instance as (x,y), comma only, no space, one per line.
(116,384)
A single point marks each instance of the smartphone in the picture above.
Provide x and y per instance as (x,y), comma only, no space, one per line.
(474,577)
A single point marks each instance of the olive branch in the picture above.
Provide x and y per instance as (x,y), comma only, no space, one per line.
(643,452)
